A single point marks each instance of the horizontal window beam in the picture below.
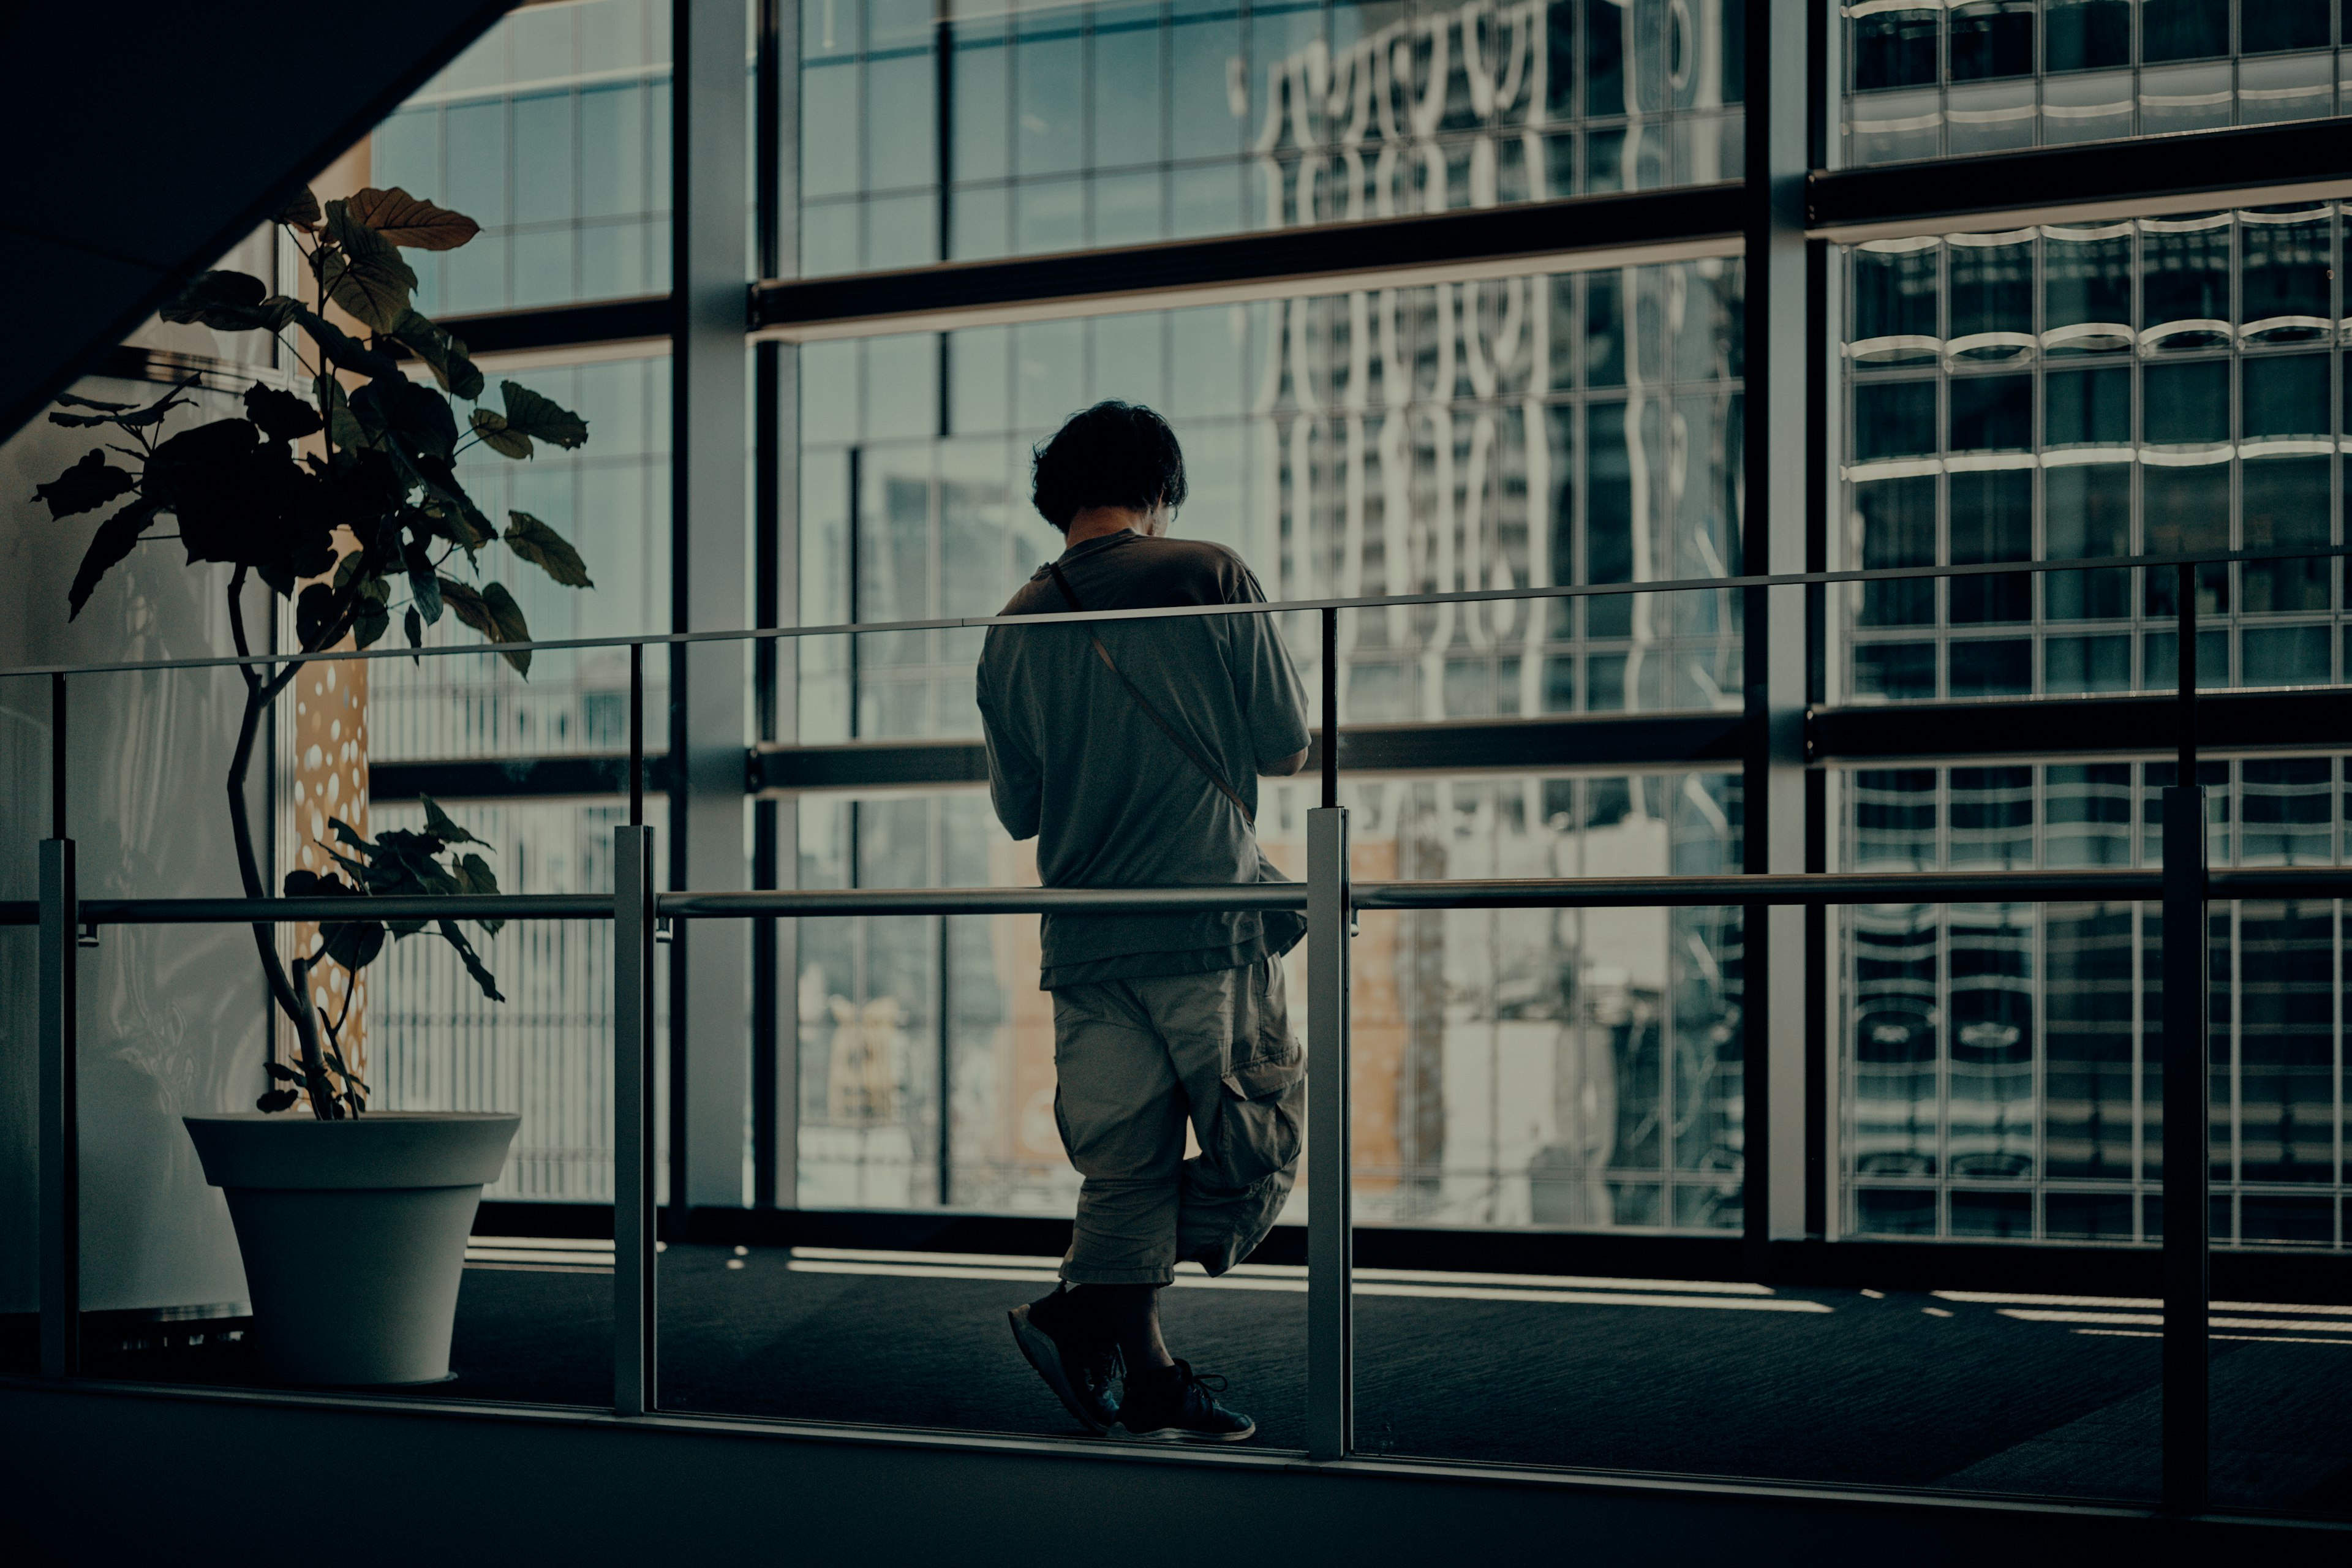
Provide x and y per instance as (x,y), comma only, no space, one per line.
(2147,726)
(513,777)
(1921,733)
(1997,192)
(1541,236)
(638,320)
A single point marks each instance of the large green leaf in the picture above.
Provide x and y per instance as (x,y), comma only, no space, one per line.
(230,302)
(362,271)
(244,501)
(405,220)
(302,211)
(344,348)
(115,538)
(475,876)
(541,418)
(444,353)
(453,511)
(281,416)
(492,612)
(139,419)
(351,943)
(442,825)
(417,418)
(491,426)
(86,486)
(424,586)
(547,550)
(343,428)
(315,613)
(471,960)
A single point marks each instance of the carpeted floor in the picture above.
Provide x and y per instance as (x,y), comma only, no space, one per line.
(1843,1386)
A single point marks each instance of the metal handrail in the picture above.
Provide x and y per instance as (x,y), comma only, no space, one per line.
(1802,887)
(1181,612)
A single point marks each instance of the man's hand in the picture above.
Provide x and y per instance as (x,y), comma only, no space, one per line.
(1283,767)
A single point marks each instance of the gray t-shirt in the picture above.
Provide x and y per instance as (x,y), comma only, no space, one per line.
(1109,798)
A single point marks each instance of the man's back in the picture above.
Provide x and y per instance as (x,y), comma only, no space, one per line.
(1112,800)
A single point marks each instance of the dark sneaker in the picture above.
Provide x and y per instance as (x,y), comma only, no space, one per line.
(1080,1378)
(1178,1406)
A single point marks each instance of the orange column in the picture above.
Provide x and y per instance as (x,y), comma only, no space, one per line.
(329,771)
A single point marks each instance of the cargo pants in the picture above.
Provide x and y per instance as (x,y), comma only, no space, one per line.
(1136,1060)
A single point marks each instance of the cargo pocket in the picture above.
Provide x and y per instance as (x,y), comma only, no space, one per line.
(1258,1131)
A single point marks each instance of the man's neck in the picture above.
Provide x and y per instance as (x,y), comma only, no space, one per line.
(1102,522)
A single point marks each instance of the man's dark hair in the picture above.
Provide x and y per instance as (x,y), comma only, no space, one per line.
(1113,454)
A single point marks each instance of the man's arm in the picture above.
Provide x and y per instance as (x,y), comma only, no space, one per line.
(1015,783)
(1267,686)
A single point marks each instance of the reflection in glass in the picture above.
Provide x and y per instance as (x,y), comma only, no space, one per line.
(1928,81)
(1571,429)
(2065,447)
(1512,1068)
(552,131)
(2002,1064)
(1253,117)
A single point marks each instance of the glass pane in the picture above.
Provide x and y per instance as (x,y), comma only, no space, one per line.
(552,133)
(2145,386)
(1403,442)
(1264,116)
(1927,81)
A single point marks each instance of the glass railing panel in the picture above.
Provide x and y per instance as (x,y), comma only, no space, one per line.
(177,1019)
(25,806)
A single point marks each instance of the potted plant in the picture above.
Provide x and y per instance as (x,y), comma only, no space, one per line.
(353,1225)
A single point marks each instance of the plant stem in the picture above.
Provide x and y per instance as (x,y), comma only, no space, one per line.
(290,992)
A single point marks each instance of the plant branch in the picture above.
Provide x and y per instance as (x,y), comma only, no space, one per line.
(286,991)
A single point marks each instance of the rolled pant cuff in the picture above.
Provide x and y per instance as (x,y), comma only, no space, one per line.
(1090,1274)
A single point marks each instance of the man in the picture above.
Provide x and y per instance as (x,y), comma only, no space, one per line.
(1130,750)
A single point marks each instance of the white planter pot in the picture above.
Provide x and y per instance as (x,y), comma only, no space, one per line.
(353,1233)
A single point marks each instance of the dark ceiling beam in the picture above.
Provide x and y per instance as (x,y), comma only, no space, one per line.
(1495,241)
(144,146)
(1928,733)
(2101,181)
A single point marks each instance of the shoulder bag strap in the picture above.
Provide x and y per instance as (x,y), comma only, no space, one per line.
(1143,702)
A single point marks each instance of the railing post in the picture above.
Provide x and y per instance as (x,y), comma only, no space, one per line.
(2187,1155)
(1331,1286)
(634,1388)
(60,1121)
(2186,1151)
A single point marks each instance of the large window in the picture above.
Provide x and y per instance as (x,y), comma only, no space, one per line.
(1545,1067)
(2154,386)
(1981,76)
(2003,1062)
(1577,428)
(553,133)
(1011,127)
